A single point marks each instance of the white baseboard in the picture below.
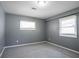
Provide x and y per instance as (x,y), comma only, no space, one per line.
(64,47)
(2,51)
(23,44)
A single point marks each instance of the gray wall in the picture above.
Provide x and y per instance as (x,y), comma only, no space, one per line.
(53,32)
(2,28)
(13,32)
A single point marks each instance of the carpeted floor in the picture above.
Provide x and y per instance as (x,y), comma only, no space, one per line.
(40,50)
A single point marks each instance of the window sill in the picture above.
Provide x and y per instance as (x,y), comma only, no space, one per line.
(71,36)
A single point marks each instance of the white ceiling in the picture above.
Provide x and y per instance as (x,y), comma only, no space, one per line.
(25,8)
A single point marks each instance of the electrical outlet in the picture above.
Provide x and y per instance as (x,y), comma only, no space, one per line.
(17,41)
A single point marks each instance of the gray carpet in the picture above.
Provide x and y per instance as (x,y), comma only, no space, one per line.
(40,50)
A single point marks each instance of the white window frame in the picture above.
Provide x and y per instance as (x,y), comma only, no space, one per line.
(75,27)
(27,27)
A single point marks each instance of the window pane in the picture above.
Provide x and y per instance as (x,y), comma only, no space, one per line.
(68,30)
(27,25)
(68,21)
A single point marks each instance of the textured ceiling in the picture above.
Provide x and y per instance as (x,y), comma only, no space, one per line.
(27,8)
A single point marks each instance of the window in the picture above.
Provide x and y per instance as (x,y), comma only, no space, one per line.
(68,26)
(27,25)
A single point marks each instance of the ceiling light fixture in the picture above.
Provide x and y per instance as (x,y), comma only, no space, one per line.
(41,3)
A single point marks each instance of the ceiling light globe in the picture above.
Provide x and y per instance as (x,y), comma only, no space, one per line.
(41,3)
